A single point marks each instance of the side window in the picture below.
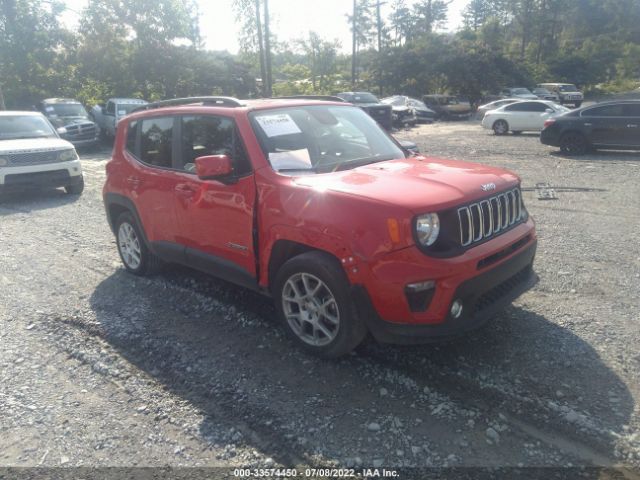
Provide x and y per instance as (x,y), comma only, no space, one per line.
(517,107)
(132,133)
(111,108)
(604,111)
(538,107)
(632,110)
(211,135)
(155,141)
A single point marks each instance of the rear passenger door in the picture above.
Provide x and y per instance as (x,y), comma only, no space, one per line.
(632,118)
(607,123)
(216,216)
(152,180)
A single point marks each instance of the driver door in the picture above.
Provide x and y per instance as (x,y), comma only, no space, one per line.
(216,216)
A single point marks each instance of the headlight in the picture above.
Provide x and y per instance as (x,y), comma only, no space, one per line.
(427,229)
(61,130)
(3,162)
(67,155)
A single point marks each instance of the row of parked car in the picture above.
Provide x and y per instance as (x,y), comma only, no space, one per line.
(605,125)
(82,128)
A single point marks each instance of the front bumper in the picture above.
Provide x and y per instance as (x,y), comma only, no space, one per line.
(60,174)
(484,287)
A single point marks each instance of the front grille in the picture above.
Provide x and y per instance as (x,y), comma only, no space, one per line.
(84,131)
(32,158)
(487,218)
(502,289)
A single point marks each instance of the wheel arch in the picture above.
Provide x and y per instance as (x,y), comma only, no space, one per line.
(115,205)
(284,250)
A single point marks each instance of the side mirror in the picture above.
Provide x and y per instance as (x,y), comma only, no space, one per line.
(212,167)
(409,146)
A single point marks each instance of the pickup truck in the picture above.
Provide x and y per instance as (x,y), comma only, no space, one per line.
(71,121)
(107,115)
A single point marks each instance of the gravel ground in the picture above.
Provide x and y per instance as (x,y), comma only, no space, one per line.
(100,368)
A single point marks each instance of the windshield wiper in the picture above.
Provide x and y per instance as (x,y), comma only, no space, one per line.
(285,170)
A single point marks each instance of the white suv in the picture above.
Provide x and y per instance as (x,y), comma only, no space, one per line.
(32,154)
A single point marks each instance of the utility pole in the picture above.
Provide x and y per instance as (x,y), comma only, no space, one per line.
(354,45)
(2,105)
(263,73)
(267,47)
(379,21)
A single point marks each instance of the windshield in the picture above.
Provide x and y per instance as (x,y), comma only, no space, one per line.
(66,110)
(568,88)
(521,91)
(416,103)
(321,138)
(25,126)
(543,91)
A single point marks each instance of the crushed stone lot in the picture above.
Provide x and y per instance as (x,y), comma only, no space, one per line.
(101,368)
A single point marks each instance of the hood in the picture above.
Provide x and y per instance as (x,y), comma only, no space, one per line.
(28,145)
(419,184)
(65,121)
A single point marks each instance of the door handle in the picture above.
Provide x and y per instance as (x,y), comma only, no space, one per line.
(185,190)
(632,125)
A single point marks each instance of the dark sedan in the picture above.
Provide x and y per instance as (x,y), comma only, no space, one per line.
(368,102)
(607,125)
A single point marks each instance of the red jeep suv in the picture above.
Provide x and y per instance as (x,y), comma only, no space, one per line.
(312,203)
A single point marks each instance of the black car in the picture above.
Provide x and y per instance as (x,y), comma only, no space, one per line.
(368,102)
(407,110)
(614,125)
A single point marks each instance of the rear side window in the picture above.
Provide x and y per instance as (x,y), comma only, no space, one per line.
(212,135)
(132,136)
(156,135)
(604,111)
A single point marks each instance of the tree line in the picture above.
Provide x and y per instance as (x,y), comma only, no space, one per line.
(153,49)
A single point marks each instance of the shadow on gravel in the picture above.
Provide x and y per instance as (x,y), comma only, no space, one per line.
(33,200)
(218,347)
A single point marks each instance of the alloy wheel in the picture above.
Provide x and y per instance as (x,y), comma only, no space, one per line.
(311,309)
(129,246)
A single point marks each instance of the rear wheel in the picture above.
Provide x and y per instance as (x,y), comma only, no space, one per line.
(135,255)
(573,143)
(311,292)
(500,127)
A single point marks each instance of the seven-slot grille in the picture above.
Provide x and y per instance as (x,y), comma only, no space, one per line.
(489,217)
(32,158)
(84,131)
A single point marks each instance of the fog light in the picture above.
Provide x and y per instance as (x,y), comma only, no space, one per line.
(419,295)
(456,309)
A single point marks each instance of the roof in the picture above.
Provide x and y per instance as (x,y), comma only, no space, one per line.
(60,100)
(127,100)
(10,113)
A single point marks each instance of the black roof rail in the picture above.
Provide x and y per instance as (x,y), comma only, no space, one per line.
(329,98)
(210,100)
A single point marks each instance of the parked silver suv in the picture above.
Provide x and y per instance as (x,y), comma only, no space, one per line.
(567,93)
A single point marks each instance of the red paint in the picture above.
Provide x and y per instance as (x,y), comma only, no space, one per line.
(363,215)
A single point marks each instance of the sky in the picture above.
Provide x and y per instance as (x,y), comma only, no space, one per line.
(290,19)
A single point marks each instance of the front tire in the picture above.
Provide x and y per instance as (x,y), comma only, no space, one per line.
(135,255)
(311,293)
(573,143)
(500,127)
(76,189)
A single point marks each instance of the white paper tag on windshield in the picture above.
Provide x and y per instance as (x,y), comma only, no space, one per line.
(122,112)
(291,159)
(276,125)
